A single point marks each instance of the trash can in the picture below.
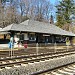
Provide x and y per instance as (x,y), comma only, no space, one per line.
(25,46)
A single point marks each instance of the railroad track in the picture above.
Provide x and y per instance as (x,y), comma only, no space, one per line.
(4,62)
(65,70)
(34,55)
(33,51)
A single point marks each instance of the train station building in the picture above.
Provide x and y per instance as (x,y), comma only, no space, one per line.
(38,32)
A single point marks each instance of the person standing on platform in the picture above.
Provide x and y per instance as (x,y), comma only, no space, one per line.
(25,45)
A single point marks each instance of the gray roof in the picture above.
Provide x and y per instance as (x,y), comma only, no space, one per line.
(2,32)
(25,22)
(39,27)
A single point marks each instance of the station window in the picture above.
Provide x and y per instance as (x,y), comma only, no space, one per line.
(32,37)
(21,36)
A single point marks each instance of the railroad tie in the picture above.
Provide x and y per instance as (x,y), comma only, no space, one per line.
(2,58)
(55,73)
(65,72)
(3,62)
(47,74)
(10,61)
(47,60)
(8,67)
(28,58)
(42,61)
(1,69)
(33,58)
(30,63)
(42,56)
(24,64)
(42,53)
(17,65)
(7,57)
(22,59)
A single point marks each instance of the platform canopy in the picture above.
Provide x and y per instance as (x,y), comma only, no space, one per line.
(37,27)
(3,32)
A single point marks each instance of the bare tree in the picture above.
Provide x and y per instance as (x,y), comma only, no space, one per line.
(16,11)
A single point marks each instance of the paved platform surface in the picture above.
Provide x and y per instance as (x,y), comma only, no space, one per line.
(6,46)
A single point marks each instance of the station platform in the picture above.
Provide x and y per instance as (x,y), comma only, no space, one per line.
(5,47)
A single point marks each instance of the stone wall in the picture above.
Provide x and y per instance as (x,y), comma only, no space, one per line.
(30,68)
